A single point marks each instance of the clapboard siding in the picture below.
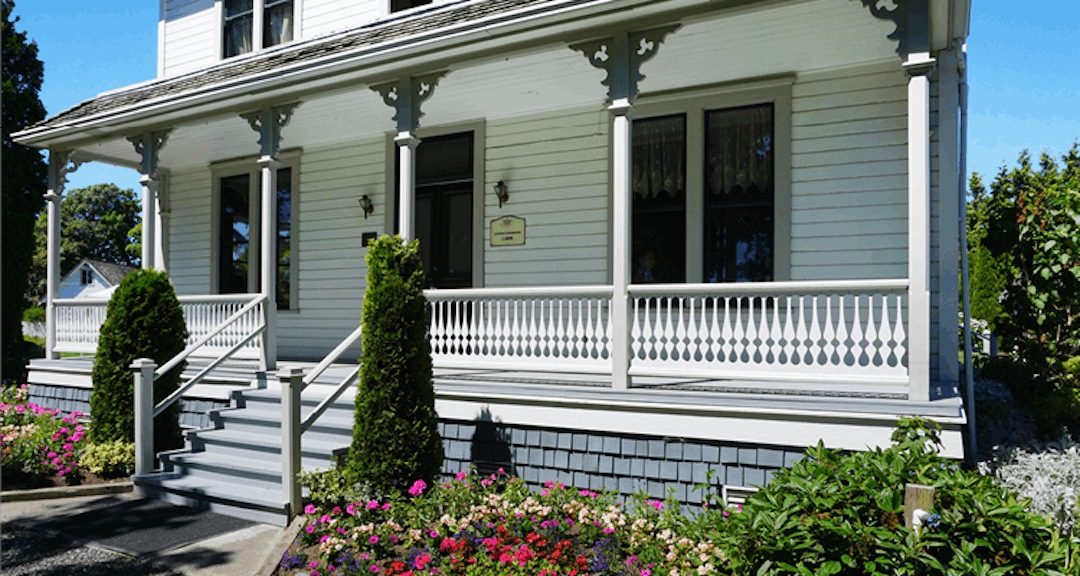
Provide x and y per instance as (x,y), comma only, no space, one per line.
(190,231)
(849,174)
(322,17)
(191,36)
(556,165)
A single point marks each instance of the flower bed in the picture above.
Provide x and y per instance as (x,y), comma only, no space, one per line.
(495,525)
(38,441)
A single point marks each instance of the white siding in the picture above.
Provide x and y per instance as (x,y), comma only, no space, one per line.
(191,36)
(556,167)
(849,174)
(322,17)
(190,231)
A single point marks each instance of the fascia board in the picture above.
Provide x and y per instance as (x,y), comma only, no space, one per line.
(476,36)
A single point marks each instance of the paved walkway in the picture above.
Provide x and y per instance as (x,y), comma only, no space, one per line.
(236,553)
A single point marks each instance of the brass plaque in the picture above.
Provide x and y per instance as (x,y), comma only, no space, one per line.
(508,231)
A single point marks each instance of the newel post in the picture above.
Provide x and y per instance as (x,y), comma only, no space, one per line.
(143,369)
(291,380)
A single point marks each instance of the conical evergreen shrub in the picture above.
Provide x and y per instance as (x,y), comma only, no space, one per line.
(395,436)
(144,320)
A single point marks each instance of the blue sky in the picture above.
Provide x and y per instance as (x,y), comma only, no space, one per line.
(1024,71)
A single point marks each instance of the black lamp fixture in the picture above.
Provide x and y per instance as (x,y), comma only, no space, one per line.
(366,205)
(502,192)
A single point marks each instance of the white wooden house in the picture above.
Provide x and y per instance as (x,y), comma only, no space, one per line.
(90,277)
(662,236)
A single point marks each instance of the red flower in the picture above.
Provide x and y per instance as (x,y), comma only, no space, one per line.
(398,566)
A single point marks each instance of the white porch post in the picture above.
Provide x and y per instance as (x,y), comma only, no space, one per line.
(161,223)
(405,95)
(60,165)
(622,156)
(149,220)
(621,56)
(268,122)
(268,166)
(407,144)
(919,67)
(148,145)
(143,374)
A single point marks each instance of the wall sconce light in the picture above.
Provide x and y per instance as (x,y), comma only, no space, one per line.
(366,205)
(502,192)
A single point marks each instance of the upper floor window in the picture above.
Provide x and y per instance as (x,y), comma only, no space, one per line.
(87,277)
(399,5)
(240,35)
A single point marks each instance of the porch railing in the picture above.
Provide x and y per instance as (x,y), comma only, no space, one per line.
(835,331)
(556,328)
(79,321)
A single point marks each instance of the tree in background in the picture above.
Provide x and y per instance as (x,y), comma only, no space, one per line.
(97,223)
(988,274)
(25,177)
(395,435)
(1029,238)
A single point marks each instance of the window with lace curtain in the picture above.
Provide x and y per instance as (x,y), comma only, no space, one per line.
(704,195)
(275,21)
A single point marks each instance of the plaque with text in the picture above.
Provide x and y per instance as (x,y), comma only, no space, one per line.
(508,231)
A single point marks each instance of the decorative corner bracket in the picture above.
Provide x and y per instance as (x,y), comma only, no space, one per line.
(622,55)
(148,146)
(268,122)
(61,163)
(406,95)
(911,18)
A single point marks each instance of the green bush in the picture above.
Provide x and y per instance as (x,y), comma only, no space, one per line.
(35,314)
(110,459)
(144,320)
(836,514)
(395,435)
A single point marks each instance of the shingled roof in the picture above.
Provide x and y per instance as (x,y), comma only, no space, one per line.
(368,35)
(113,273)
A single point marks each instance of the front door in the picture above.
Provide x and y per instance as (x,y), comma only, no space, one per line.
(444,209)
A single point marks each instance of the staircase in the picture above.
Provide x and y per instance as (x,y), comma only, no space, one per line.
(234,465)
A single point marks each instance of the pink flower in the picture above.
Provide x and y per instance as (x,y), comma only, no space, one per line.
(461,476)
(69,447)
(309,509)
(373,568)
(324,538)
(310,529)
(417,488)
(486,482)
(372,505)
(501,471)
(543,492)
(20,408)
(373,540)
(386,506)
(505,557)
(336,510)
(433,533)
(351,509)
(608,530)
(51,455)
(364,556)
(325,518)
(646,572)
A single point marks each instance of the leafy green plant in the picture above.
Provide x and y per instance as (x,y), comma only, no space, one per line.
(38,441)
(35,314)
(837,514)
(395,435)
(110,459)
(144,320)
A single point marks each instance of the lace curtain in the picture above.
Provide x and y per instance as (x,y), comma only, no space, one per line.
(739,152)
(659,157)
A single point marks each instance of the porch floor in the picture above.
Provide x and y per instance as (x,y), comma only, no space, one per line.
(536,387)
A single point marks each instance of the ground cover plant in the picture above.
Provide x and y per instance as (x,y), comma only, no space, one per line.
(832,513)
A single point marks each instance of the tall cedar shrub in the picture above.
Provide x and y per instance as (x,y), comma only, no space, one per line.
(395,436)
(144,320)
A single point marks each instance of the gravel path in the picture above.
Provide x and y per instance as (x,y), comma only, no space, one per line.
(24,551)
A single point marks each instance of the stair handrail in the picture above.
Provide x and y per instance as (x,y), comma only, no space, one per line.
(146,373)
(176,360)
(333,355)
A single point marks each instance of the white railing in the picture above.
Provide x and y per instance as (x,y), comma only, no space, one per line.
(835,331)
(551,329)
(79,321)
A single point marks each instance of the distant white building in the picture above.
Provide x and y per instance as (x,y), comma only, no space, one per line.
(90,277)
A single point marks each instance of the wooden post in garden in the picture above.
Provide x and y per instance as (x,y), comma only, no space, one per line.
(916,497)
(292,382)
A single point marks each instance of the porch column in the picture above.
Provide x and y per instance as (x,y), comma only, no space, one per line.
(161,224)
(59,162)
(948,204)
(919,66)
(407,144)
(148,146)
(149,220)
(405,95)
(621,56)
(268,122)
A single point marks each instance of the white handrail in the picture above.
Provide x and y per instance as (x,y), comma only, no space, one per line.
(176,360)
(767,288)
(529,292)
(338,391)
(333,355)
(164,404)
